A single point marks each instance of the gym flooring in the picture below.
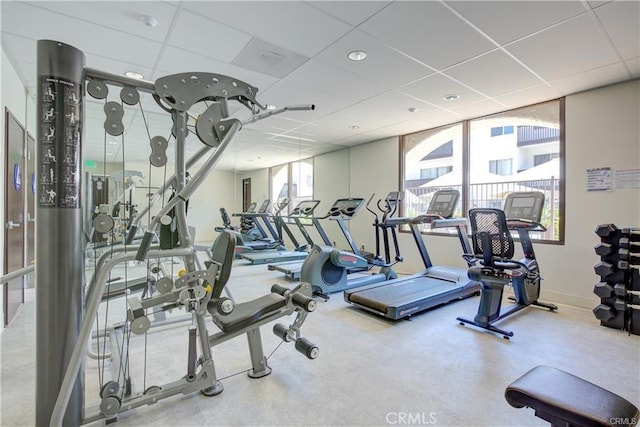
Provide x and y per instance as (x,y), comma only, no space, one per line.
(370,372)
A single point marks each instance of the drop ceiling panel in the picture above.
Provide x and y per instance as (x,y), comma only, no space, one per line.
(501,74)
(621,20)
(600,77)
(19,48)
(287,92)
(116,67)
(528,96)
(506,21)
(480,108)
(352,12)
(124,16)
(383,65)
(331,80)
(43,24)
(428,31)
(433,88)
(566,49)
(634,66)
(205,37)
(175,60)
(296,26)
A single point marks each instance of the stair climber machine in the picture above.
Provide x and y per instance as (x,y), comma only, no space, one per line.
(435,285)
(494,248)
(281,254)
(303,211)
(327,268)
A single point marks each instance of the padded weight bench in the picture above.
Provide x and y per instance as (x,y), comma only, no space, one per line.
(566,400)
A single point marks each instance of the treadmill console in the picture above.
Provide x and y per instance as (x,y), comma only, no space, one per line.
(305,208)
(252,207)
(345,208)
(264,206)
(526,206)
(443,203)
(393,198)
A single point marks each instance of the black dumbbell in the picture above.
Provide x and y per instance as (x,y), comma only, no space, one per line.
(604,312)
(620,289)
(603,290)
(606,230)
(604,269)
(604,249)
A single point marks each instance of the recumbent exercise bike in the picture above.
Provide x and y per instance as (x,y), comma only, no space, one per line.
(493,247)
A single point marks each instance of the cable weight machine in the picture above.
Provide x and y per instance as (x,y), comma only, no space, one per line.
(61,303)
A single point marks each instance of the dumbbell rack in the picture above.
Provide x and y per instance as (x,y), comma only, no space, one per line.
(619,271)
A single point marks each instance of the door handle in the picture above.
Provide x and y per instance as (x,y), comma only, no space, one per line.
(11,225)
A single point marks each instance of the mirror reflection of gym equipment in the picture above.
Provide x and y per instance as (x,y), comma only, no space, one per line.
(198,290)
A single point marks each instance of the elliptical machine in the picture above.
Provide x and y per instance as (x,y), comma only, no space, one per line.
(326,267)
(493,247)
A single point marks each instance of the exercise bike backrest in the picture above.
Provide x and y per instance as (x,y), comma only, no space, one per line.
(490,237)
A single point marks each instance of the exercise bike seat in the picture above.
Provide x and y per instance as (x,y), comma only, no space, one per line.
(566,400)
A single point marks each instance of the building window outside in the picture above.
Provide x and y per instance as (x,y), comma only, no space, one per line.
(526,157)
(293,181)
(501,167)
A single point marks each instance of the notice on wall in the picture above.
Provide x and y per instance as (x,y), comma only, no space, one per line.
(627,178)
(599,179)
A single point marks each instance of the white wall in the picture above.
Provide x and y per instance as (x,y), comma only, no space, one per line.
(602,129)
(331,181)
(12,96)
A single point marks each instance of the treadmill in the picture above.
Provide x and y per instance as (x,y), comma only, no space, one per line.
(435,285)
(280,255)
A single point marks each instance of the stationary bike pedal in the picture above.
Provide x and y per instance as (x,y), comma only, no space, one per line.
(321,295)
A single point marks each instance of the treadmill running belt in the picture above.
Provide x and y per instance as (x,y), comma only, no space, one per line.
(403,292)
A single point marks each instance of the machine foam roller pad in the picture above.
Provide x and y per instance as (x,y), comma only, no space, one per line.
(564,399)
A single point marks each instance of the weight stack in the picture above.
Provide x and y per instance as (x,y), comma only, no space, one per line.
(613,310)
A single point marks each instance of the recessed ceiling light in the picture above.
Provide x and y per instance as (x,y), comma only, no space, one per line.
(271,107)
(354,127)
(413,109)
(149,21)
(134,75)
(357,55)
(452,97)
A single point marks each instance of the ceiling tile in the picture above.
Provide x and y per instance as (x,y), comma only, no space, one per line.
(506,75)
(19,48)
(621,21)
(47,25)
(479,109)
(597,3)
(427,31)
(176,60)
(528,96)
(124,16)
(384,65)
(293,25)
(566,49)
(506,21)
(352,12)
(434,88)
(208,38)
(286,92)
(634,66)
(269,59)
(599,77)
(333,81)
